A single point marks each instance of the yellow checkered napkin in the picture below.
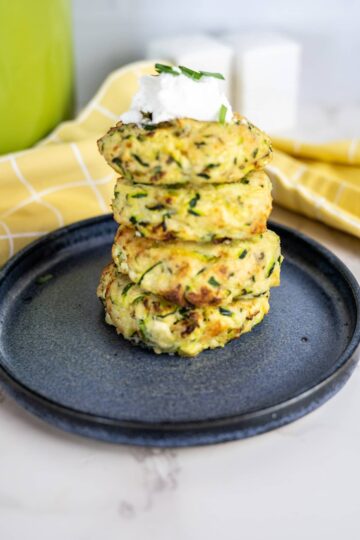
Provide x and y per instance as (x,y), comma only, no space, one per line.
(64,179)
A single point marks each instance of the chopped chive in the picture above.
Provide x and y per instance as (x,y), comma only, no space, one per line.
(212,74)
(138,299)
(246,291)
(126,174)
(243,254)
(133,220)
(212,166)
(162,68)
(146,115)
(191,73)
(212,281)
(271,269)
(222,114)
(244,181)
(225,312)
(156,207)
(44,279)
(138,195)
(167,314)
(195,75)
(147,271)
(254,154)
(204,175)
(184,311)
(194,200)
(126,288)
(142,329)
(139,160)
(149,127)
(171,159)
(201,271)
(193,212)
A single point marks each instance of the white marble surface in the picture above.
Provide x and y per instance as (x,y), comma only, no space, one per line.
(298,482)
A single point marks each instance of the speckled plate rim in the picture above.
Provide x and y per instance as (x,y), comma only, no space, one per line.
(195,433)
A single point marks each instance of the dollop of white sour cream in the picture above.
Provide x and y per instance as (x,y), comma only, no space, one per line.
(166,97)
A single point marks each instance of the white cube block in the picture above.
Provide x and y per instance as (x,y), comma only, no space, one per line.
(266,79)
(197,51)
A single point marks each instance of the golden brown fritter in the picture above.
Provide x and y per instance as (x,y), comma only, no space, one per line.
(165,327)
(198,213)
(186,150)
(188,273)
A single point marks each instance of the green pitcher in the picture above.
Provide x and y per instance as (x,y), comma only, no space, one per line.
(36,70)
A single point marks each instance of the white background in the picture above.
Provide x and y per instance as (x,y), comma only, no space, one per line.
(110,33)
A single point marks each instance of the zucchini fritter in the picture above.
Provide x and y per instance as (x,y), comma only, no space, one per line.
(165,327)
(186,150)
(199,213)
(188,273)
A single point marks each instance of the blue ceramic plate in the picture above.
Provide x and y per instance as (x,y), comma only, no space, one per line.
(63,363)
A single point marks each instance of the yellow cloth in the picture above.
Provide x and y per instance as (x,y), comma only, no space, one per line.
(64,179)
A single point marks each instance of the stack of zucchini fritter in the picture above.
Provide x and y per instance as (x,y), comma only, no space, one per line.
(193,261)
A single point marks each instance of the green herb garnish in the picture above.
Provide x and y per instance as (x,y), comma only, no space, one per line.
(117,161)
(194,200)
(213,74)
(147,271)
(193,212)
(162,68)
(225,312)
(146,115)
(191,73)
(126,288)
(212,166)
(156,207)
(271,269)
(212,281)
(139,160)
(138,299)
(126,174)
(167,314)
(138,195)
(149,127)
(204,175)
(222,114)
(195,75)
(44,279)
(243,254)
(143,331)
(184,311)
